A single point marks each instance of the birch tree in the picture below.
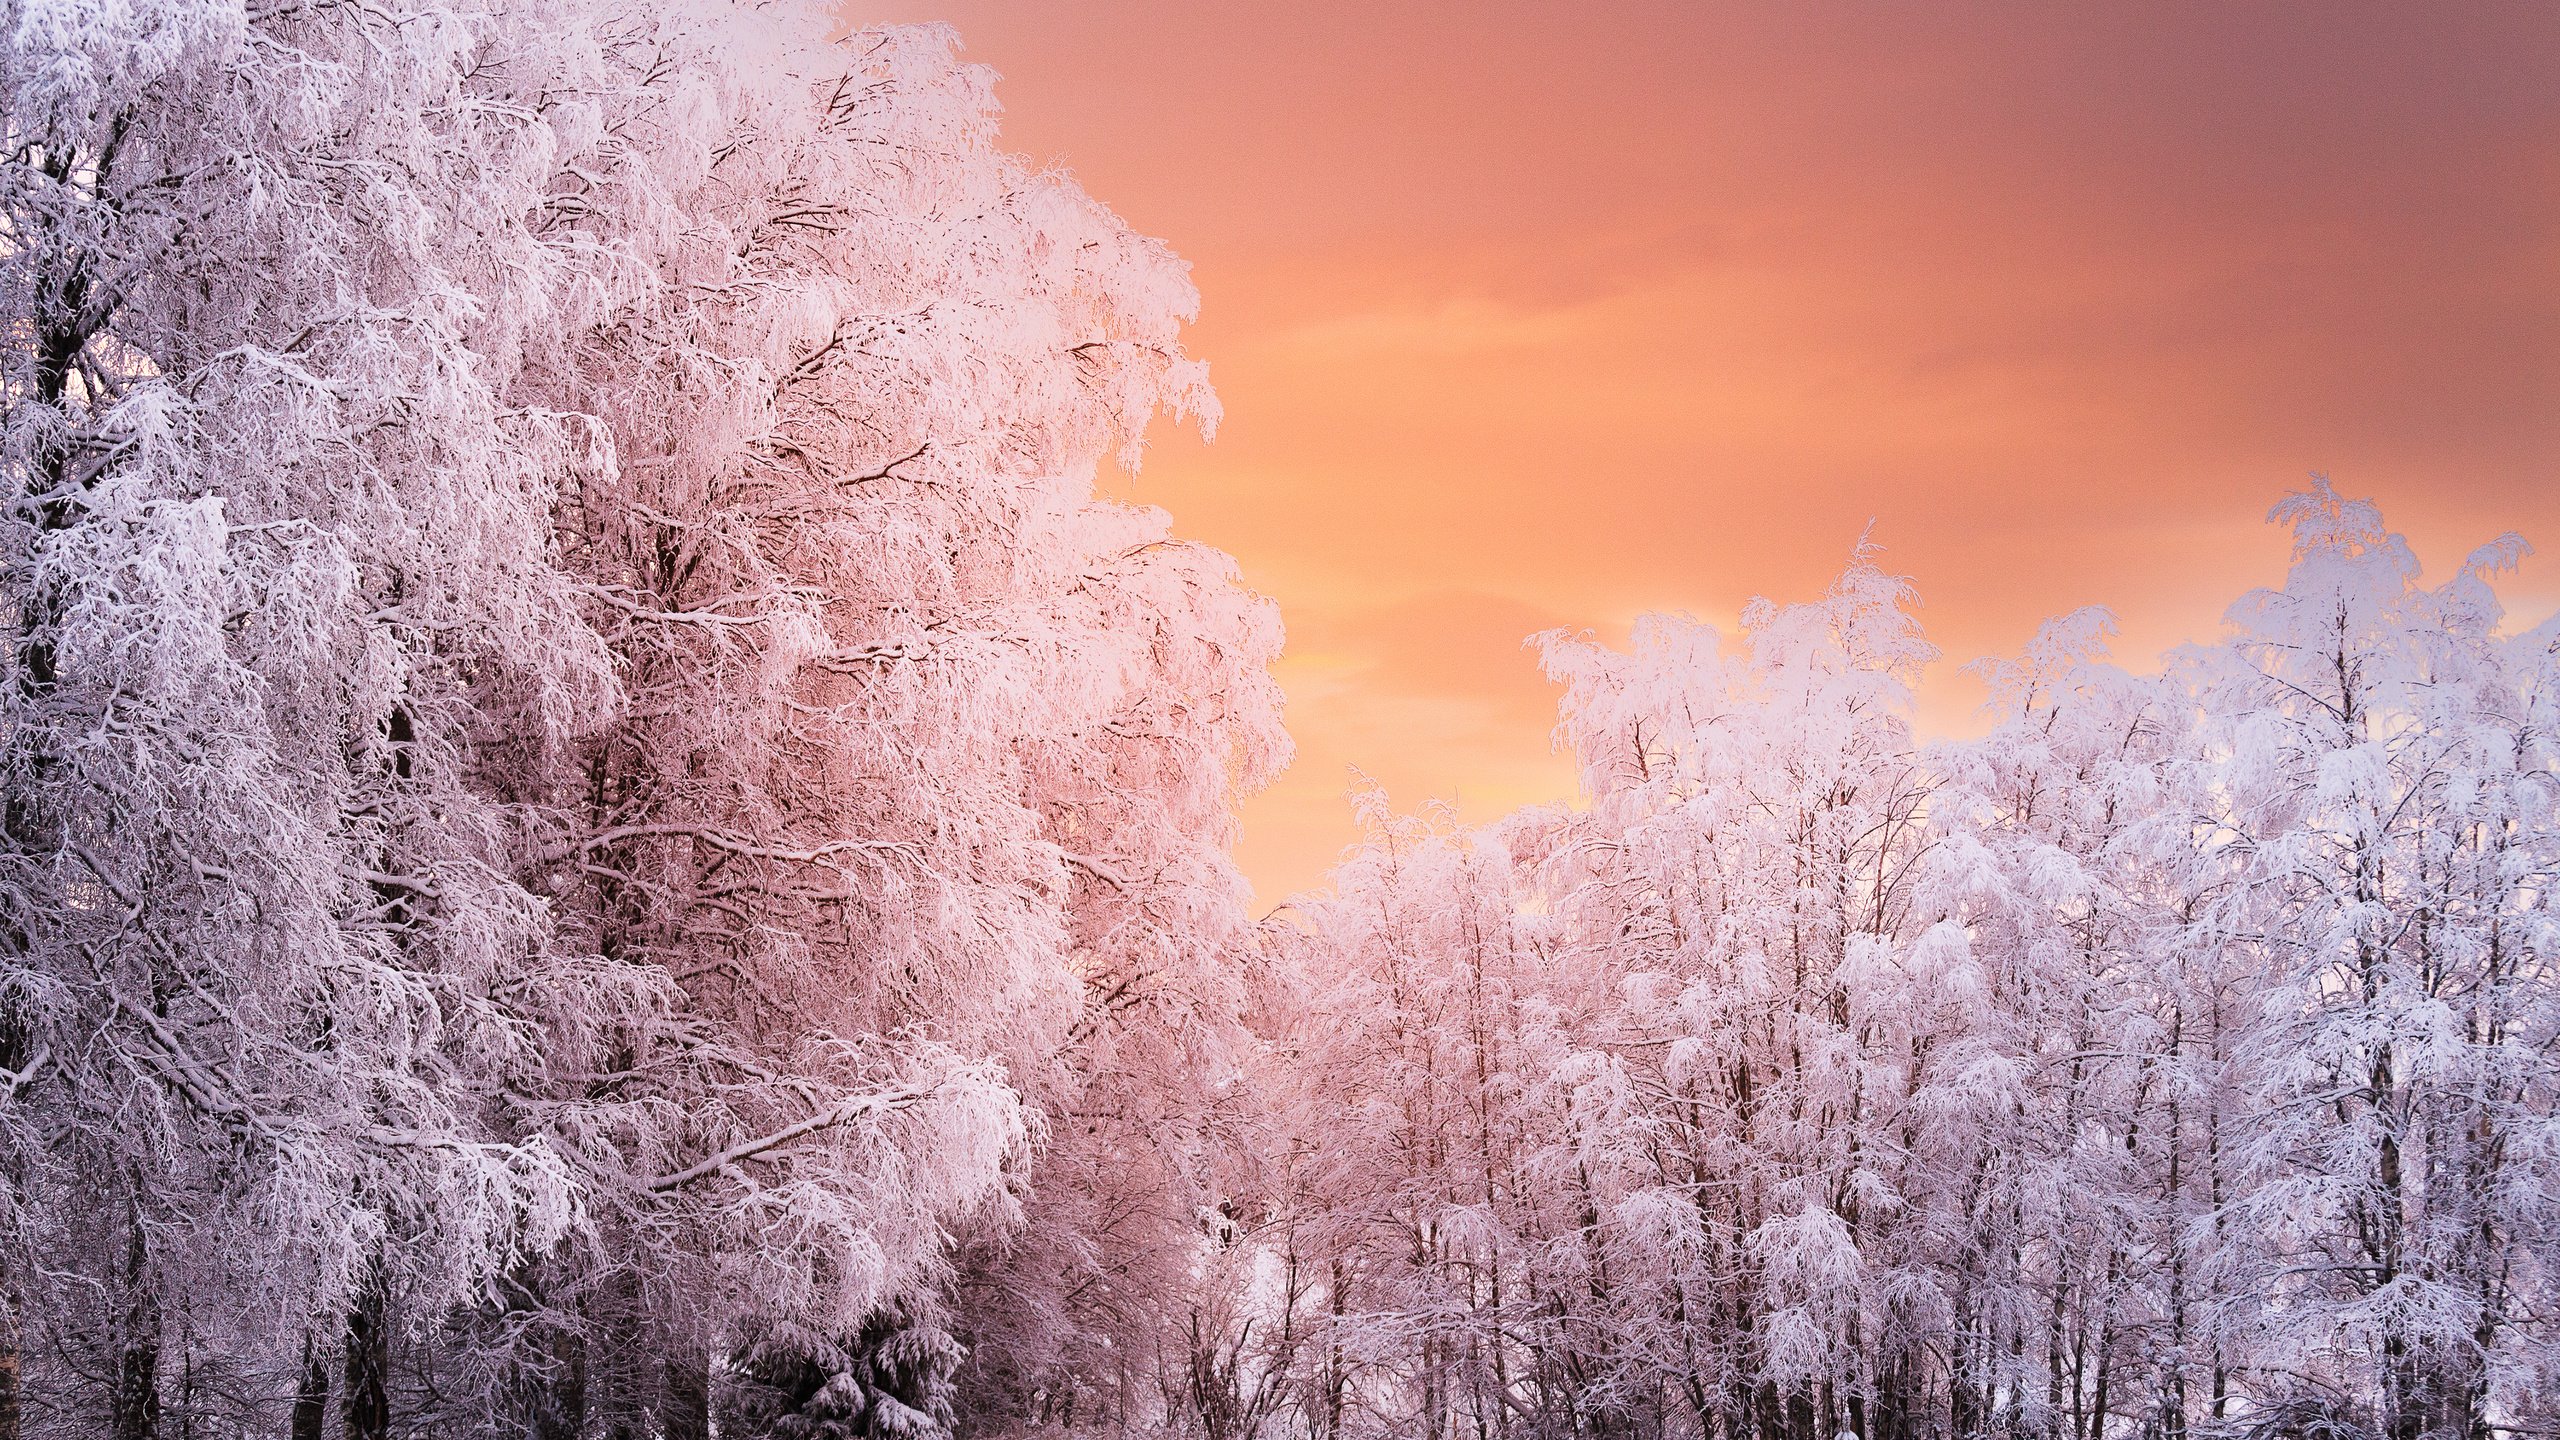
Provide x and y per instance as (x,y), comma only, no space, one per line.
(2388,779)
(2173,1057)
(277,565)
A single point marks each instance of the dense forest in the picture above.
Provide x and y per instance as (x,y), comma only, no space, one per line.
(605,833)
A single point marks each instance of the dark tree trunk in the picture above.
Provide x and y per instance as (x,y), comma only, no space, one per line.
(311,1399)
(134,1406)
(135,1412)
(687,1412)
(368,1397)
(563,1415)
(11,1409)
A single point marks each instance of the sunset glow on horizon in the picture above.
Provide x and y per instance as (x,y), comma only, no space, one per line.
(1529,317)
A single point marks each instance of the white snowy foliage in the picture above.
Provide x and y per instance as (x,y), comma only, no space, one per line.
(586,769)
(2176,1056)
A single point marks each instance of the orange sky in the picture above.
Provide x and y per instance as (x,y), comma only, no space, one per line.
(1530,315)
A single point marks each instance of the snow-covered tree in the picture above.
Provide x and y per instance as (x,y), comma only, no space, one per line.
(2173,1057)
(275,549)
(586,769)
(930,752)
(603,831)
(2382,763)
